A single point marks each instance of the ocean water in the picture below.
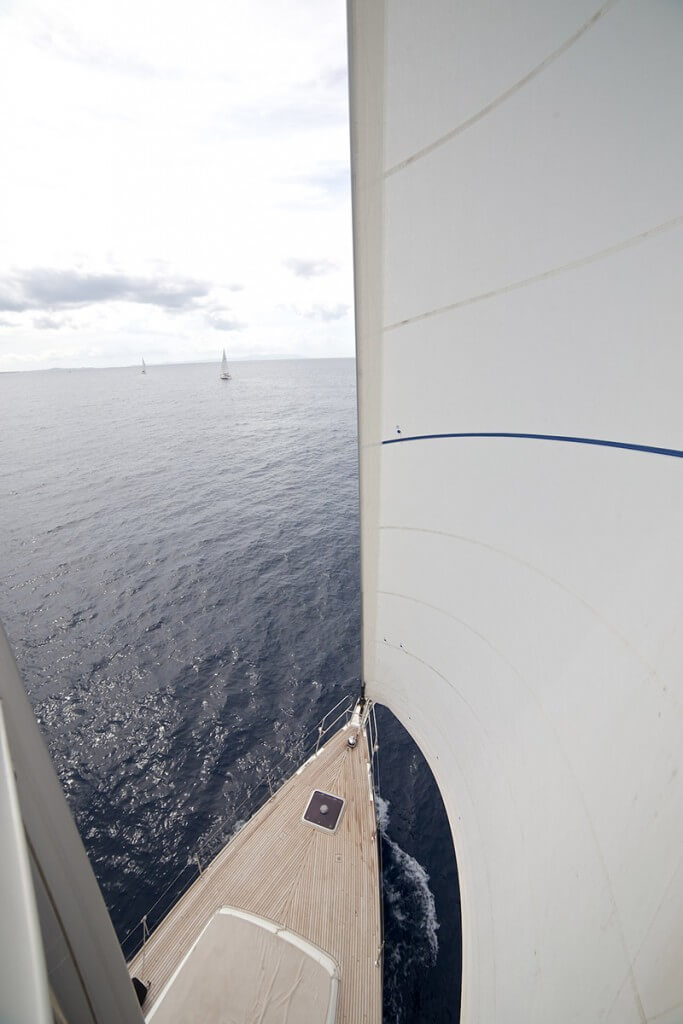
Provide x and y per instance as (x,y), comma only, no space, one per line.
(179,579)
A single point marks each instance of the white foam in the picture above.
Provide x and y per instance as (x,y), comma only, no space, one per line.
(411,875)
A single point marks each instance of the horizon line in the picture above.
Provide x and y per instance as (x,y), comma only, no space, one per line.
(180,362)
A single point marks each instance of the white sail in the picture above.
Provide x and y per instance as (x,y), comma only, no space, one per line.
(144,368)
(225,373)
(87,975)
(23,976)
(518,225)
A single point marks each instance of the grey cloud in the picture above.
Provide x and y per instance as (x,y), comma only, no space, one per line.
(309,268)
(63,40)
(328,313)
(11,300)
(47,323)
(282,120)
(222,320)
(335,78)
(309,106)
(299,116)
(46,289)
(335,180)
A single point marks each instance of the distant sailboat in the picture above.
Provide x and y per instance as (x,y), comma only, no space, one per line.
(144,368)
(225,373)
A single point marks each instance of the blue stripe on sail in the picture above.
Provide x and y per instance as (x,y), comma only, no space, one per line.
(650,449)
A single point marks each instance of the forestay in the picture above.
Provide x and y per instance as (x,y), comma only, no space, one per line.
(518,223)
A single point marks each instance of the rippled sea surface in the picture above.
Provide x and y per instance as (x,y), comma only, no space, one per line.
(179,579)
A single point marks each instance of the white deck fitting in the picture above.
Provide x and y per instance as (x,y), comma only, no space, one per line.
(321,886)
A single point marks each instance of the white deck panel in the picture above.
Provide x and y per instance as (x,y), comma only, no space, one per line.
(244,968)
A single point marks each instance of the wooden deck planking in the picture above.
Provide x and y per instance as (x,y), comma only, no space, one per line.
(323,886)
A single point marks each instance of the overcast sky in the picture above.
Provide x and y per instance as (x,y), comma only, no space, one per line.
(174,180)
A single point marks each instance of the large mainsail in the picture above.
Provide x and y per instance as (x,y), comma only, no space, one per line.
(518,225)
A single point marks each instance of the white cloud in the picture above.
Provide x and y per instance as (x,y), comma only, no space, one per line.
(191,153)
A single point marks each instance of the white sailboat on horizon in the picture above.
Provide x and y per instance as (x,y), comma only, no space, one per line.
(144,367)
(225,373)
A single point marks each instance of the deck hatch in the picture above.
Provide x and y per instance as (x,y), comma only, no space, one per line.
(324,810)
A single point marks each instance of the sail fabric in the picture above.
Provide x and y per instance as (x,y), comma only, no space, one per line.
(86,972)
(518,237)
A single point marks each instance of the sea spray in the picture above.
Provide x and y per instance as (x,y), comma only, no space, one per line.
(410,922)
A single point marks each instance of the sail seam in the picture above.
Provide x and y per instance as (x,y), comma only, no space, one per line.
(661,1015)
(536,570)
(499,100)
(533,695)
(594,257)
(567,439)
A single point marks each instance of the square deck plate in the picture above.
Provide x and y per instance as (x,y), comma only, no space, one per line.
(324,810)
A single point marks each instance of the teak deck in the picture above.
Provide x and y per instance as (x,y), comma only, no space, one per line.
(325,886)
